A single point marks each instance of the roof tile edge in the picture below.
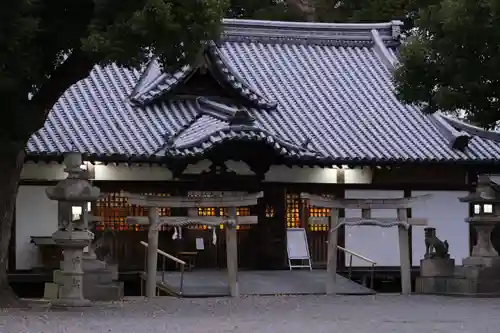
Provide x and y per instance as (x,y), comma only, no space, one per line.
(471,129)
(388,31)
(381,49)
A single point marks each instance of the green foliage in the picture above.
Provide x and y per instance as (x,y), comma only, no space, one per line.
(263,10)
(47,45)
(453,62)
(369,10)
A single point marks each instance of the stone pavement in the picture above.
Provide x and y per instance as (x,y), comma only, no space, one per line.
(290,314)
(200,283)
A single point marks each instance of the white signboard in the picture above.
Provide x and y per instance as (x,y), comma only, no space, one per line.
(297,247)
(200,245)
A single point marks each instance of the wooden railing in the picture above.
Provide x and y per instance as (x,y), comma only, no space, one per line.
(359,256)
(164,256)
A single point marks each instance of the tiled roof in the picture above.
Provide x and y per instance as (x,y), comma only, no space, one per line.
(217,124)
(94,117)
(314,91)
(162,83)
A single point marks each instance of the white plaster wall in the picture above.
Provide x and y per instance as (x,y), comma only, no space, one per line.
(447,214)
(316,175)
(376,243)
(122,172)
(131,173)
(55,171)
(284,174)
(43,171)
(197,168)
(36,215)
(358,176)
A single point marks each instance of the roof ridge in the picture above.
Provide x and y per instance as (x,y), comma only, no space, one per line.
(144,93)
(471,129)
(311,31)
(233,78)
(456,139)
(283,146)
(381,49)
(165,82)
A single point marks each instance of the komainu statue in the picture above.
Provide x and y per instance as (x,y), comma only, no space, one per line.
(434,247)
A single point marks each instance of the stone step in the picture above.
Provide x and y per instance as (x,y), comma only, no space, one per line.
(103,276)
(108,292)
(296,282)
(459,271)
(111,292)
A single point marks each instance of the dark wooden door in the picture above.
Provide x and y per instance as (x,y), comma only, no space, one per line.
(269,235)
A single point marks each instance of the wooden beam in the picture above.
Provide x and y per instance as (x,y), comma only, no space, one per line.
(388,203)
(410,221)
(331,263)
(187,220)
(187,202)
(404,254)
(232,256)
(419,222)
(152,253)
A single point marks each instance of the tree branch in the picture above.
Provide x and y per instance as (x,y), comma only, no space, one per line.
(75,68)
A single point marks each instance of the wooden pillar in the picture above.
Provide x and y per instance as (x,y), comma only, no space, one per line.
(331,265)
(152,259)
(404,253)
(232,254)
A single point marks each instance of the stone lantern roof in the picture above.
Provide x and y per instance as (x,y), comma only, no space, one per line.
(487,191)
(76,187)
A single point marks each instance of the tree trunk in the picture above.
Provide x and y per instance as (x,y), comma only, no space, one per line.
(11,164)
(306,7)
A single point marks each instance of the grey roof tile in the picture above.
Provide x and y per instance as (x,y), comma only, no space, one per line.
(342,98)
(319,91)
(94,117)
(213,126)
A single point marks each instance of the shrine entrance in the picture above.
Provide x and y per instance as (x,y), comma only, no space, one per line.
(402,222)
(230,221)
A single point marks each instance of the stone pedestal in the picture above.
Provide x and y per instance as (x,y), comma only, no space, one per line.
(481,268)
(484,247)
(73,195)
(480,273)
(437,267)
(71,290)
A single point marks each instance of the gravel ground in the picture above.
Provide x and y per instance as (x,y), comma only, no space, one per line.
(310,314)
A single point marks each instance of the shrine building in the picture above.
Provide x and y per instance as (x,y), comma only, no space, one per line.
(278,107)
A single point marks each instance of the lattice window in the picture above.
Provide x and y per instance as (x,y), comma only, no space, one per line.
(207,211)
(270,211)
(243,211)
(292,211)
(319,212)
(214,211)
(114,209)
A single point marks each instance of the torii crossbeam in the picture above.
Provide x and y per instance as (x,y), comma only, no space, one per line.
(155,221)
(366,205)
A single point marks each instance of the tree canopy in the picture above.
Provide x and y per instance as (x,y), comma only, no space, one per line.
(47,45)
(264,10)
(356,11)
(452,63)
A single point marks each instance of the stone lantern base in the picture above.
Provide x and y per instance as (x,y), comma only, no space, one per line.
(100,281)
(478,276)
(481,268)
(67,303)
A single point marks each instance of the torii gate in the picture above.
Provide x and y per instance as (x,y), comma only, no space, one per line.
(155,222)
(366,205)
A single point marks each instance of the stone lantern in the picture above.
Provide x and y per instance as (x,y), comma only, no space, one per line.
(486,215)
(73,195)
